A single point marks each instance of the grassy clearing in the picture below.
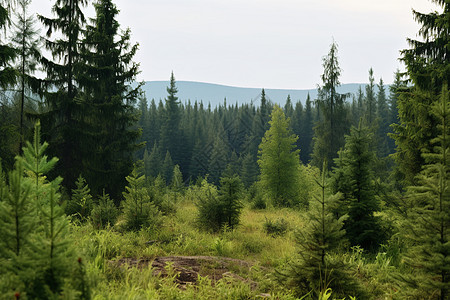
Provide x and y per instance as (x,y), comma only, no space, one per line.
(179,236)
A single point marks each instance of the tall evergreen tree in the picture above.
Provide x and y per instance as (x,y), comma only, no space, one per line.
(7,53)
(26,41)
(307,132)
(167,168)
(427,64)
(279,161)
(329,132)
(427,225)
(59,121)
(170,128)
(383,120)
(362,226)
(371,101)
(320,239)
(108,123)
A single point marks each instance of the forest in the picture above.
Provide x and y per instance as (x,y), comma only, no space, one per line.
(105,194)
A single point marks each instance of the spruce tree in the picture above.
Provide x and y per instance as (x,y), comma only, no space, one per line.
(230,193)
(80,204)
(139,211)
(8,53)
(427,64)
(249,170)
(170,128)
(17,213)
(319,241)
(427,226)
(104,213)
(362,227)
(167,168)
(370,101)
(109,118)
(383,121)
(25,40)
(307,132)
(279,161)
(177,184)
(330,130)
(37,166)
(59,119)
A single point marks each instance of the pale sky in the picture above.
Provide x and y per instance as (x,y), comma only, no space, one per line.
(265,43)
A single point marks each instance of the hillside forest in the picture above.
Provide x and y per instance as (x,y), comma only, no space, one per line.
(107,193)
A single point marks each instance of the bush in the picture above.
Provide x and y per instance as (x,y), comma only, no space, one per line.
(275,228)
(138,211)
(104,213)
(216,209)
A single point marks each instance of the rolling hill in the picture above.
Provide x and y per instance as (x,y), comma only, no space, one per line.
(216,93)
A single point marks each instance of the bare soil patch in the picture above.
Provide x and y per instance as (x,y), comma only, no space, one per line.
(188,268)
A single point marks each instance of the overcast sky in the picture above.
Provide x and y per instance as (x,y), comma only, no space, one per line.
(265,43)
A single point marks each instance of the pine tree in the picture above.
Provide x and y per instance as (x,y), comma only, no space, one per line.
(139,212)
(362,226)
(167,168)
(104,213)
(177,184)
(17,215)
(229,197)
(320,240)
(307,132)
(383,121)
(25,40)
(219,155)
(427,225)
(249,170)
(153,163)
(427,64)
(108,102)
(170,128)
(8,53)
(80,204)
(371,105)
(59,121)
(37,165)
(329,131)
(279,162)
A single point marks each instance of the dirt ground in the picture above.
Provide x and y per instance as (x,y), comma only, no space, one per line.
(189,267)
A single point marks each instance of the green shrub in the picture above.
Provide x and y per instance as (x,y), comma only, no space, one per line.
(275,228)
(216,209)
(138,211)
(104,213)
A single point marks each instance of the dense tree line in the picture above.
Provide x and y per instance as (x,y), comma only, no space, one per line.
(210,141)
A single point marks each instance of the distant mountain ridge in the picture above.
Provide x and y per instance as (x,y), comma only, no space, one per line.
(216,93)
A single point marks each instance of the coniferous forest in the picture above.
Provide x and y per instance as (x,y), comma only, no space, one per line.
(106,193)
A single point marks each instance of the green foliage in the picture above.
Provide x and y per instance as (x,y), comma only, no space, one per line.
(330,130)
(275,228)
(17,214)
(107,114)
(427,64)
(80,204)
(279,162)
(230,194)
(427,226)
(318,241)
(209,215)
(36,252)
(139,212)
(104,213)
(354,179)
(177,184)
